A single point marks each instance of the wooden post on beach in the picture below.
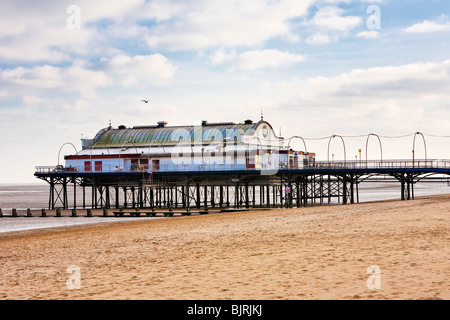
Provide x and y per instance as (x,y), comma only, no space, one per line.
(14,213)
(89,213)
(58,212)
(29,212)
(43,213)
(1,213)
(74,212)
(105,212)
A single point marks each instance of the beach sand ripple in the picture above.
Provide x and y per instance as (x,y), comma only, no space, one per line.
(307,253)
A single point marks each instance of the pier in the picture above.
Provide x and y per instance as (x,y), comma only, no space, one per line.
(177,189)
(218,166)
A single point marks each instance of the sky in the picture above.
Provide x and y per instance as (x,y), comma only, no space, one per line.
(314,68)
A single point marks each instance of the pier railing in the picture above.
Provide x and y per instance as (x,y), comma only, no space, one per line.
(385,164)
(355,164)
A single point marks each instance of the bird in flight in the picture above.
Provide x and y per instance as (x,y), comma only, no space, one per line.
(146,101)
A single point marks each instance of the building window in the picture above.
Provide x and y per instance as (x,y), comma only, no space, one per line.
(98,166)
(87,166)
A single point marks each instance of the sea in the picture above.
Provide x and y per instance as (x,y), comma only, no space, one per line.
(36,197)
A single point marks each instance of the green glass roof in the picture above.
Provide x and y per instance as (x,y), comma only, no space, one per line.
(148,136)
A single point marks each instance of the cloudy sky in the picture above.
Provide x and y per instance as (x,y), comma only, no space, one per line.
(315,67)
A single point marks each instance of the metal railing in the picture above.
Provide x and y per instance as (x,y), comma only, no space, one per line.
(356,164)
(385,164)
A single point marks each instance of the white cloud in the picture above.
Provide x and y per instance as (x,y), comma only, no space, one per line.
(221,57)
(329,24)
(43,32)
(406,82)
(389,100)
(428,27)
(399,99)
(81,78)
(227,23)
(318,38)
(140,70)
(39,79)
(331,18)
(256,59)
(172,25)
(368,34)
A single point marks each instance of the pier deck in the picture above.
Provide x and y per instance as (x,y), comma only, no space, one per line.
(285,187)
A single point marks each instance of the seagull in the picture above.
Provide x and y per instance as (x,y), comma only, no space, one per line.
(146,101)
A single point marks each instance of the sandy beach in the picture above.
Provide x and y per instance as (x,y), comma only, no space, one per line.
(321,252)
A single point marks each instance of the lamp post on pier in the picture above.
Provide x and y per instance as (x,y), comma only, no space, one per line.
(359,156)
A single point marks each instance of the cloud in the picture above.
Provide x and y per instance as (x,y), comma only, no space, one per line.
(227,23)
(84,79)
(140,70)
(40,79)
(384,99)
(43,32)
(406,82)
(331,18)
(256,59)
(158,25)
(368,34)
(318,38)
(428,27)
(329,24)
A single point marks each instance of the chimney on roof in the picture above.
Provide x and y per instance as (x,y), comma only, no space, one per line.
(204,122)
(162,124)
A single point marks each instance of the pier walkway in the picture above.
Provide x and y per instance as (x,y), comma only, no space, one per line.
(213,186)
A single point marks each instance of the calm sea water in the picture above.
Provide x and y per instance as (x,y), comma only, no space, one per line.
(35,196)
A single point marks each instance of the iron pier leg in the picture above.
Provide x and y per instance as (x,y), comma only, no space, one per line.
(116,188)
(247,204)
(261,195)
(51,197)
(84,197)
(254,196)
(198,196)
(344,189)
(107,202)
(352,189)
(74,193)
(236,196)
(124,196)
(94,197)
(65,199)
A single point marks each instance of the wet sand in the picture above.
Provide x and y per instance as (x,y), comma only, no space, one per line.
(307,253)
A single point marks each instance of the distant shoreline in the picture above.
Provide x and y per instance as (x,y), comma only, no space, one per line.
(66,222)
